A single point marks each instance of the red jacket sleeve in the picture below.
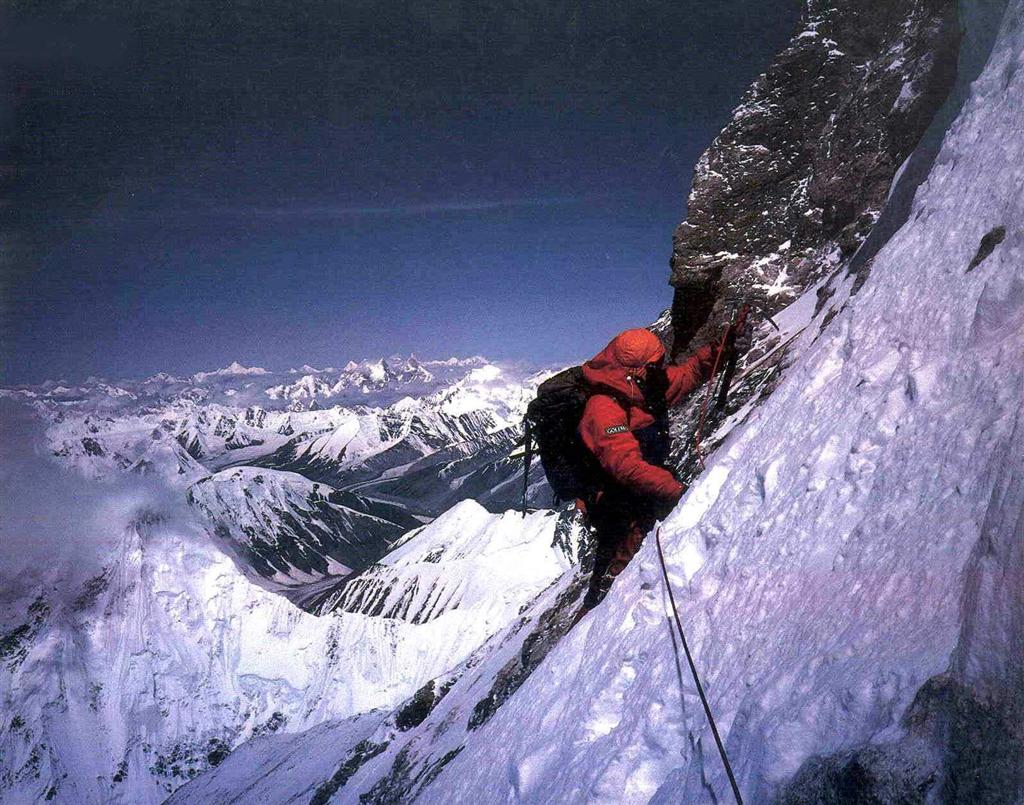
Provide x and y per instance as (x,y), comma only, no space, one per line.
(605,432)
(687,376)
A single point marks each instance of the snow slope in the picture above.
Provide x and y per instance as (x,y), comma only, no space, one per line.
(473,560)
(849,566)
(853,551)
(121,687)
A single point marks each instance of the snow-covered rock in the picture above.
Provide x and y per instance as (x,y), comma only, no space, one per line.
(123,687)
(848,567)
(795,181)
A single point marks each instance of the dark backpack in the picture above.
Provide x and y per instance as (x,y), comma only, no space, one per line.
(552,428)
(551,425)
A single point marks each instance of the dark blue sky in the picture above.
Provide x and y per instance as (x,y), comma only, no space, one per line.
(195,183)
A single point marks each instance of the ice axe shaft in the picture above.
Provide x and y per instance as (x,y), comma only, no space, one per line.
(727,376)
(724,345)
(729,370)
(759,307)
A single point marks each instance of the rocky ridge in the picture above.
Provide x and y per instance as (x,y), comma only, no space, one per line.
(793,184)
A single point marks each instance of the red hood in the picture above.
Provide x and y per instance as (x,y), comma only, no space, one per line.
(618,365)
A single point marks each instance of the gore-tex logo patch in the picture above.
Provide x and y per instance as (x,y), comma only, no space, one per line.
(616,429)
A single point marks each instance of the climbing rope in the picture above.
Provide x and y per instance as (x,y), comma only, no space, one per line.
(696,678)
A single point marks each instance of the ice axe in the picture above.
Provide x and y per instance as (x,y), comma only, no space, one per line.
(729,372)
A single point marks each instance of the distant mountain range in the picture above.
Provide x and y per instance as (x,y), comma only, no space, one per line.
(303,482)
(308,476)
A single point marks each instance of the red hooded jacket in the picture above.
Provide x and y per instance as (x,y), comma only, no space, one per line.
(607,425)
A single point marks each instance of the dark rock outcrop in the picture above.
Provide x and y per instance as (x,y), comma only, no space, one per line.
(795,181)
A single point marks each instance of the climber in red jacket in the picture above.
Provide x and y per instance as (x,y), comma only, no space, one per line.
(625,426)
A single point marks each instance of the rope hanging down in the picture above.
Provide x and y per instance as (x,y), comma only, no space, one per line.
(696,678)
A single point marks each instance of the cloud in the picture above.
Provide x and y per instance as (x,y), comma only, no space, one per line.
(341,211)
(58,526)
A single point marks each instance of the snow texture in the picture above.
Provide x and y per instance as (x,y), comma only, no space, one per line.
(859,536)
(123,687)
(849,567)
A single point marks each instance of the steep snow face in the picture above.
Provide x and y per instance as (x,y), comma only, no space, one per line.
(122,689)
(236,780)
(849,567)
(393,757)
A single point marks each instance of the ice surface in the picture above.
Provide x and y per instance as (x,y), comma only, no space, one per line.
(839,529)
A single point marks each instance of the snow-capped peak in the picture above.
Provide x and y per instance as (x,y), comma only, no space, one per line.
(306,369)
(162,377)
(232,369)
(375,382)
(473,360)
